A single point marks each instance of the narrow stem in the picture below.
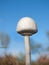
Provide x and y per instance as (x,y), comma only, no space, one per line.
(28,53)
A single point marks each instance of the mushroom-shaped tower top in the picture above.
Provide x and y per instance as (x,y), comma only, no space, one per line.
(26,26)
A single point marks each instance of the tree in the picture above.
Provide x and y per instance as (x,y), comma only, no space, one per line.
(21,57)
(8,60)
(34,46)
(4,38)
(4,41)
(47,34)
(43,60)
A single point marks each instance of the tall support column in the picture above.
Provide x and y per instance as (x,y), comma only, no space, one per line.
(27,48)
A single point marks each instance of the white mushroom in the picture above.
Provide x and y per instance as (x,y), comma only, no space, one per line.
(26,27)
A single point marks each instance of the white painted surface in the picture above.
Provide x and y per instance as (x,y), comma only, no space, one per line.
(26,23)
(27,48)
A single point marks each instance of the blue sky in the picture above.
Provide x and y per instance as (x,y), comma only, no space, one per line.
(10,13)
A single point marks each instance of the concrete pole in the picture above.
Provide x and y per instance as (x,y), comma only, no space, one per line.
(27,49)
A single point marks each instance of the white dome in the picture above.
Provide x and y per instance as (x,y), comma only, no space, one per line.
(26,25)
